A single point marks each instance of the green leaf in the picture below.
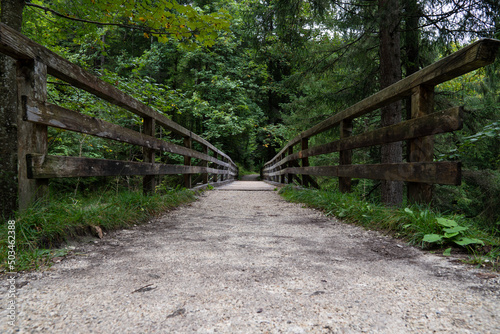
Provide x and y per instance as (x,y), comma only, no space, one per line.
(432,238)
(447,252)
(468,241)
(408,211)
(446,222)
(455,229)
(450,235)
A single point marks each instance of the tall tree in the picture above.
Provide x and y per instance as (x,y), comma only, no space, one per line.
(11,13)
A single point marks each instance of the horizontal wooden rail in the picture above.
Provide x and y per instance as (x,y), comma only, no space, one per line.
(420,170)
(424,172)
(58,117)
(53,166)
(35,115)
(19,47)
(472,57)
(435,123)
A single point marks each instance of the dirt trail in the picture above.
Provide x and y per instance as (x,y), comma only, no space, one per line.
(249,262)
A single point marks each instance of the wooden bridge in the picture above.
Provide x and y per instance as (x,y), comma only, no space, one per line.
(35,115)
(420,170)
(264,265)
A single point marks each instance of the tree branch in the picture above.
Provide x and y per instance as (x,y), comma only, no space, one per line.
(46,9)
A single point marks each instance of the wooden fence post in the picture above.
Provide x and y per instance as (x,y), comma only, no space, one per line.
(148,181)
(345,156)
(305,161)
(223,176)
(290,164)
(282,176)
(31,138)
(421,149)
(187,162)
(216,176)
(205,164)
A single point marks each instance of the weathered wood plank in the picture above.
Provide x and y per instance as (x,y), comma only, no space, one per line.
(205,164)
(290,164)
(425,172)
(31,138)
(435,123)
(304,145)
(50,166)
(58,117)
(187,162)
(421,149)
(148,181)
(19,46)
(474,56)
(345,156)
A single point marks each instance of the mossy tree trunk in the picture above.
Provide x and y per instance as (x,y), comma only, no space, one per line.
(11,14)
(390,72)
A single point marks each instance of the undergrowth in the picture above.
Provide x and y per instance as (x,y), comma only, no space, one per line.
(415,223)
(45,226)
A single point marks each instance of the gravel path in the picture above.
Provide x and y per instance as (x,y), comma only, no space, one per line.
(249,262)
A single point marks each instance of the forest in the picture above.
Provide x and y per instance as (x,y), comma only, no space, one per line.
(249,75)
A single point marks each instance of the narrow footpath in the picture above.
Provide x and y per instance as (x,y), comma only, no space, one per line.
(243,260)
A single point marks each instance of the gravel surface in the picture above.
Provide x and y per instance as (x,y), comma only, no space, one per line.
(249,262)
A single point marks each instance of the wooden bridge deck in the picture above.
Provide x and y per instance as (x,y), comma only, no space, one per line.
(249,185)
(249,262)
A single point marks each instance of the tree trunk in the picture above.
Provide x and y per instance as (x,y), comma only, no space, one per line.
(11,14)
(390,72)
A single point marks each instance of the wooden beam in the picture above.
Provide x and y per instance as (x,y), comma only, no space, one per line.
(58,117)
(421,149)
(304,145)
(148,182)
(187,162)
(426,172)
(290,164)
(435,123)
(31,138)
(474,56)
(205,164)
(51,166)
(19,46)
(345,155)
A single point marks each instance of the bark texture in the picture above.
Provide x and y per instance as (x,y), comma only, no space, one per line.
(390,72)
(11,14)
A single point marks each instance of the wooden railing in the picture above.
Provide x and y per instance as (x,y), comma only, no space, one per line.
(35,114)
(420,171)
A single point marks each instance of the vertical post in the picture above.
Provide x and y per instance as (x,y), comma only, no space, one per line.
(216,176)
(282,176)
(205,164)
(421,149)
(31,138)
(345,155)
(305,161)
(148,181)
(290,164)
(223,176)
(187,162)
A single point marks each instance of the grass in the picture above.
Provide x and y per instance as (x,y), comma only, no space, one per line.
(411,223)
(43,227)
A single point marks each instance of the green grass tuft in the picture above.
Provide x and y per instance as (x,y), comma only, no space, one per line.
(43,227)
(411,223)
